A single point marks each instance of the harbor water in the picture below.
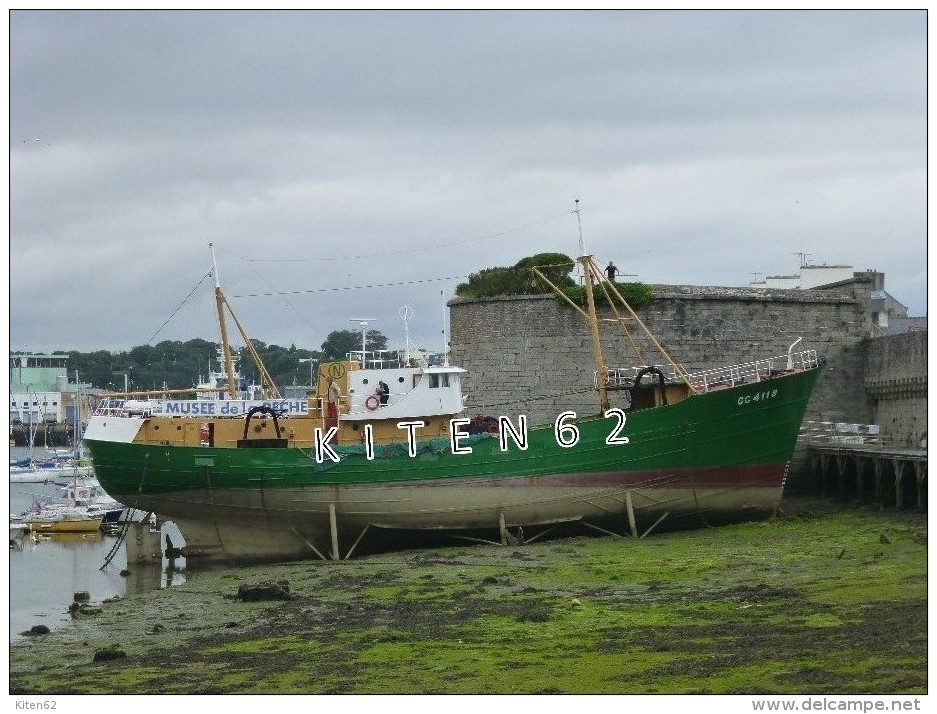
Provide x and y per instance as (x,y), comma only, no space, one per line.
(47,570)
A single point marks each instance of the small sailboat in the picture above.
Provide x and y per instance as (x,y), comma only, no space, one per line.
(52,465)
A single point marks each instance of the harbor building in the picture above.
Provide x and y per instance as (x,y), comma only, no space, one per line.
(41,393)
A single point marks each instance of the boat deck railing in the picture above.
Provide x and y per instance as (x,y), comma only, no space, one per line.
(392,359)
(623,377)
(756,371)
(721,377)
(122,408)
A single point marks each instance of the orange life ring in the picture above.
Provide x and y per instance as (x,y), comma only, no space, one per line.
(372,402)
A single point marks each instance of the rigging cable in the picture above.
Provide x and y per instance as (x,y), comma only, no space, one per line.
(351,287)
(402,251)
(160,328)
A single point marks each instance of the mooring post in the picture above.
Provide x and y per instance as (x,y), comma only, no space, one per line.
(920,476)
(879,468)
(898,466)
(144,544)
(842,461)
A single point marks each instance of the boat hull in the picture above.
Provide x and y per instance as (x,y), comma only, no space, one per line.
(65,525)
(713,457)
(296,523)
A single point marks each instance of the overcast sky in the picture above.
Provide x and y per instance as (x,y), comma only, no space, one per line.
(346,164)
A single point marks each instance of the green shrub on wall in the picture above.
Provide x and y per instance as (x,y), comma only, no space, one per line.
(635,294)
(520,279)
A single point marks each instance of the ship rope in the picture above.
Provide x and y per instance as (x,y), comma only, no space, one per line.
(121,537)
(184,301)
(123,533)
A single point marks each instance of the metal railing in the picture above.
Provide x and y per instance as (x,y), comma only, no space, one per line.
(756,371)
(828,432)
(122,407)
(721,377)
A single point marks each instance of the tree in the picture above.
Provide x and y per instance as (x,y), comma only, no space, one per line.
(340,342)
(556,267)
(519,279)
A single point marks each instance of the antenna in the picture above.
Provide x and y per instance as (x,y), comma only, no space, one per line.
(804,259)
(405,314)
(363,322)
(445,341)
(582,248)
(214,265)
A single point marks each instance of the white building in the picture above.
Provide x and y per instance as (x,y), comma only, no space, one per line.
(888,315)
(810,276)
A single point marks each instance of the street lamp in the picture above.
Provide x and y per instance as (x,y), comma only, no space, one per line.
(312,369)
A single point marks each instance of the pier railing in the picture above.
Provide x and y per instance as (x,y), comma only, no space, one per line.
(828,432)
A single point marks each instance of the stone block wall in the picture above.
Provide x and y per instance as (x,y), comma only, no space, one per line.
(896,383)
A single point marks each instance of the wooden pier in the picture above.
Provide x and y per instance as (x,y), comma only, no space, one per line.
(854,461)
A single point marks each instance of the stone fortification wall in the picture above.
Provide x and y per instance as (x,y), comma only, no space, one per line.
(896,382)
(533,355)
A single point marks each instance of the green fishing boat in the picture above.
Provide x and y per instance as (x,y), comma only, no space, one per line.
(388,446)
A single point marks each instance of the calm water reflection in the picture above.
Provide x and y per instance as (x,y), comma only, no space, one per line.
(46,571)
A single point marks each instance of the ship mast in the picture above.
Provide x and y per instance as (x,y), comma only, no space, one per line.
(600,370)
(225,345)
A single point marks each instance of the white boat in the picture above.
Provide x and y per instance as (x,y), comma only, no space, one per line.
(80,508)
(52,464)
(49,470)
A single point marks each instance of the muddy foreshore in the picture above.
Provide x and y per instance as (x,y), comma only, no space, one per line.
(824,599)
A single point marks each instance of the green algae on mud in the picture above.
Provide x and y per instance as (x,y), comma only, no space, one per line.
(832,600)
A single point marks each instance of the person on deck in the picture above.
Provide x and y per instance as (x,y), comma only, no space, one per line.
(383,392)
(334,395)
(610,271)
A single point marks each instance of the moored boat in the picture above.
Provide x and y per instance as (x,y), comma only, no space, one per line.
(79,508)
(49,470)
(63,521)
(277,479)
